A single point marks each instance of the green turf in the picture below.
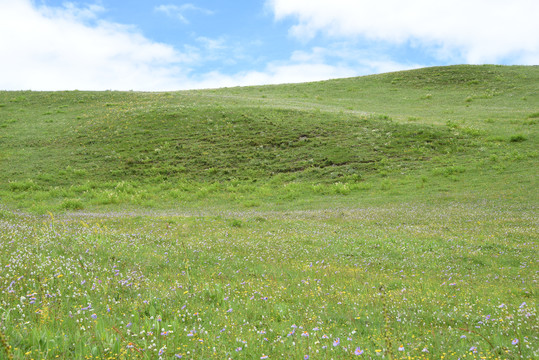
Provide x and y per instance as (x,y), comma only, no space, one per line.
(395,212)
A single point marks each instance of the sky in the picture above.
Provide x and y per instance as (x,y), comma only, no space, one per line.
(163,45)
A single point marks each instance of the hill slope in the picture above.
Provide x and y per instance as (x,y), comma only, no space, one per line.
(450,130)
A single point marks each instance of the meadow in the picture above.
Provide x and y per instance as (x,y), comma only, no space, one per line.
(388,216)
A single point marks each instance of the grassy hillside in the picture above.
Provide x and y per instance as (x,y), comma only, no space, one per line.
(428,131)
(390,216)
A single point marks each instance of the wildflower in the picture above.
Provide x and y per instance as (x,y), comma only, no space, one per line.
(93,316)
(425,350)
(178,356)
(358,351)
(128,325)
(229,311)
(501,306)
(514,342)
(325,336)
(336,342)
(161,351)
(238,348)
(401,348)
(522,305)
(305,334)
(306,357)
(463,336)
(264,357)
(473,349)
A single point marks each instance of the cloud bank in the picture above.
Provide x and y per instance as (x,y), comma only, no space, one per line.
(476,31)
(70,47)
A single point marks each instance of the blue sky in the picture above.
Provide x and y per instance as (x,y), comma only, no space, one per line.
(172,44)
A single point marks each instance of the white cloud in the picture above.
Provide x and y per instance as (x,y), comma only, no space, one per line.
(474,30)
(274,73)
(346,56)
(70,48)
(177,12)
(305,66)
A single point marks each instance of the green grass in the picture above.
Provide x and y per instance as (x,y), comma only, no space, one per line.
(392,212)
(241,145)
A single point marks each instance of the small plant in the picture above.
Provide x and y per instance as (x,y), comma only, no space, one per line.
(236,223)
(517,138)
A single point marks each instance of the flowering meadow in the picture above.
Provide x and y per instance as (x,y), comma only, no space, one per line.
(442,280)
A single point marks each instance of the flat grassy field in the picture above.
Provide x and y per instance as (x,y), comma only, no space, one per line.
(389,216)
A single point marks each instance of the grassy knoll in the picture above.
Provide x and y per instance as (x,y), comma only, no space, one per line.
(390,215)
(422,133)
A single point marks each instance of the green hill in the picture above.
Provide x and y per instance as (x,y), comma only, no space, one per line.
(393,216)
(416,133)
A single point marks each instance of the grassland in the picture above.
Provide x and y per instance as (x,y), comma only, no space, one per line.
(393,215)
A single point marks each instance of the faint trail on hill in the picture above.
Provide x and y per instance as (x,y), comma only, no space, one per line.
(287,105)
